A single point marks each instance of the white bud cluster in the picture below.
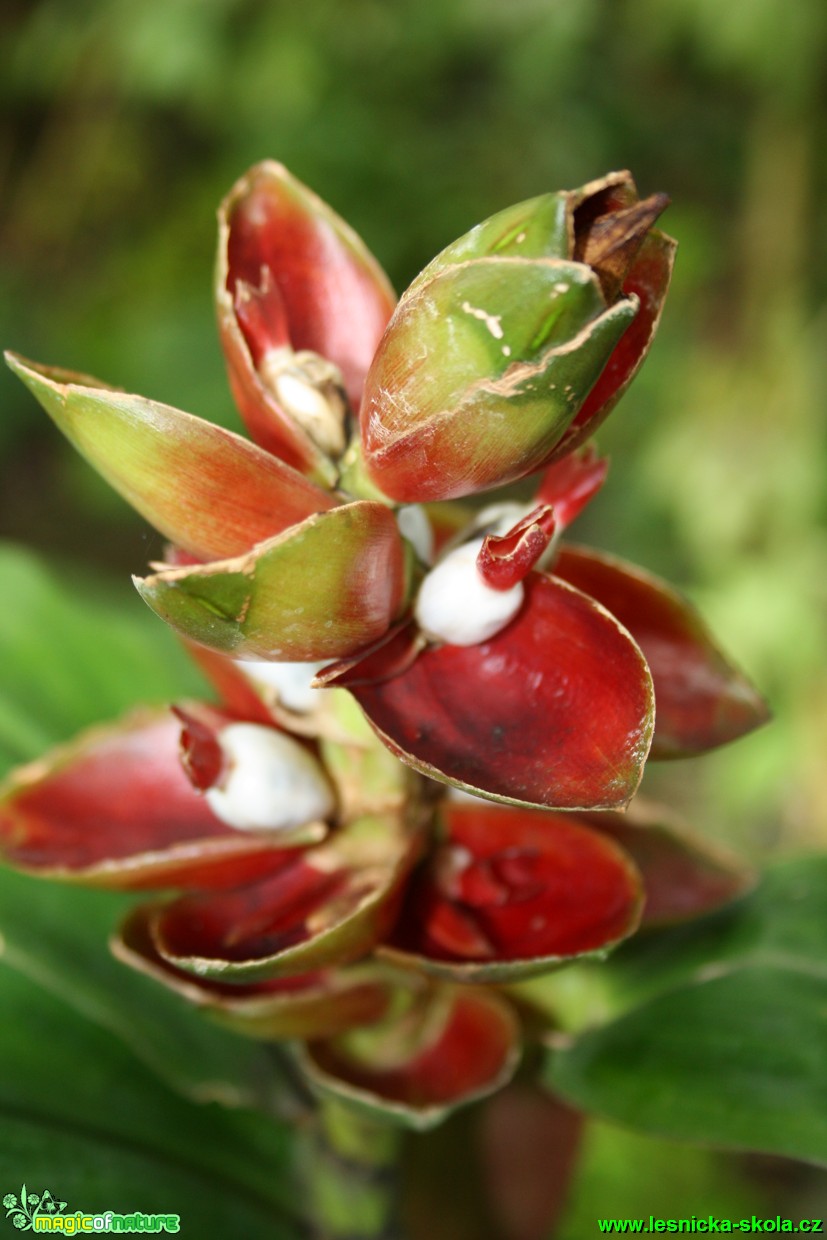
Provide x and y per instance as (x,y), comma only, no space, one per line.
(412,521)
(292,682)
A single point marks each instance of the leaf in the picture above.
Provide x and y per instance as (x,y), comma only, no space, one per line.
(81,1115)
(632,1175)
(70,662)
(57,938)
(724,1039)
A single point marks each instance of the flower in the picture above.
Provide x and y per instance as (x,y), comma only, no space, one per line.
(555,707)
(296,570)
(324,890)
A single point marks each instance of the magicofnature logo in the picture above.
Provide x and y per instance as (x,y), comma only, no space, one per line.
(44,1212)
(23,1213)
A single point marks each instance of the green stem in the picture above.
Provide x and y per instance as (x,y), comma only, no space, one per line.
(351,1174)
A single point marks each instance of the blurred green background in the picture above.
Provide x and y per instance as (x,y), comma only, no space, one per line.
(123,124)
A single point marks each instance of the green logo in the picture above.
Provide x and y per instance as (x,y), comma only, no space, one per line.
(30,1206)
(43,1212)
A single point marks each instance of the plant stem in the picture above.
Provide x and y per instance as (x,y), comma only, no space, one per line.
(351,1174)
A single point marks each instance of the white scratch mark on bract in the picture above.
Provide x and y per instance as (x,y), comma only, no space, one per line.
(491,321)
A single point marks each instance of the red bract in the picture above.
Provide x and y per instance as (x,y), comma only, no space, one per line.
(508,894)
(292,277)
(702,700)
(116,809)
(554,710)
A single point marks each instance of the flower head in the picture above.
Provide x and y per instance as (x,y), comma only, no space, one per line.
(323,889)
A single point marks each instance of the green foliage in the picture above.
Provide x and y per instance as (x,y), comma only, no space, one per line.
(57,936)
(90,1122)
(106,1080)
(628,1175)
(69,662)
(721,1035)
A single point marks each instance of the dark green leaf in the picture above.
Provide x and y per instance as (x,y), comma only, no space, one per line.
(82,1117)
(56,936)
(71,662)
(622,1174)
(724,1036)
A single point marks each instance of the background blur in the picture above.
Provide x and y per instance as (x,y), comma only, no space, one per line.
(124,123)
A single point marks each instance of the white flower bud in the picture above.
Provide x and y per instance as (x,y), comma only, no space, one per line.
(310,389)
(456,605)
(272,783)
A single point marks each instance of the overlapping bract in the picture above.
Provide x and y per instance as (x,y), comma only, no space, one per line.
(500,359)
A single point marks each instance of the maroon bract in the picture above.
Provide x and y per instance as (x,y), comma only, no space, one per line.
(448,1044)
(509,894)
(555,710)
(116,809)
(702,701)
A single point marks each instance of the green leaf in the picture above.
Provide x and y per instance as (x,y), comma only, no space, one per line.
(69,663)
(56,937)
(621,1174)
(108,1033)
(724,1036)
(82,1117)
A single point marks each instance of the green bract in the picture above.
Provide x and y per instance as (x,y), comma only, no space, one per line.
(526,312)
(521,342)
(266,604)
